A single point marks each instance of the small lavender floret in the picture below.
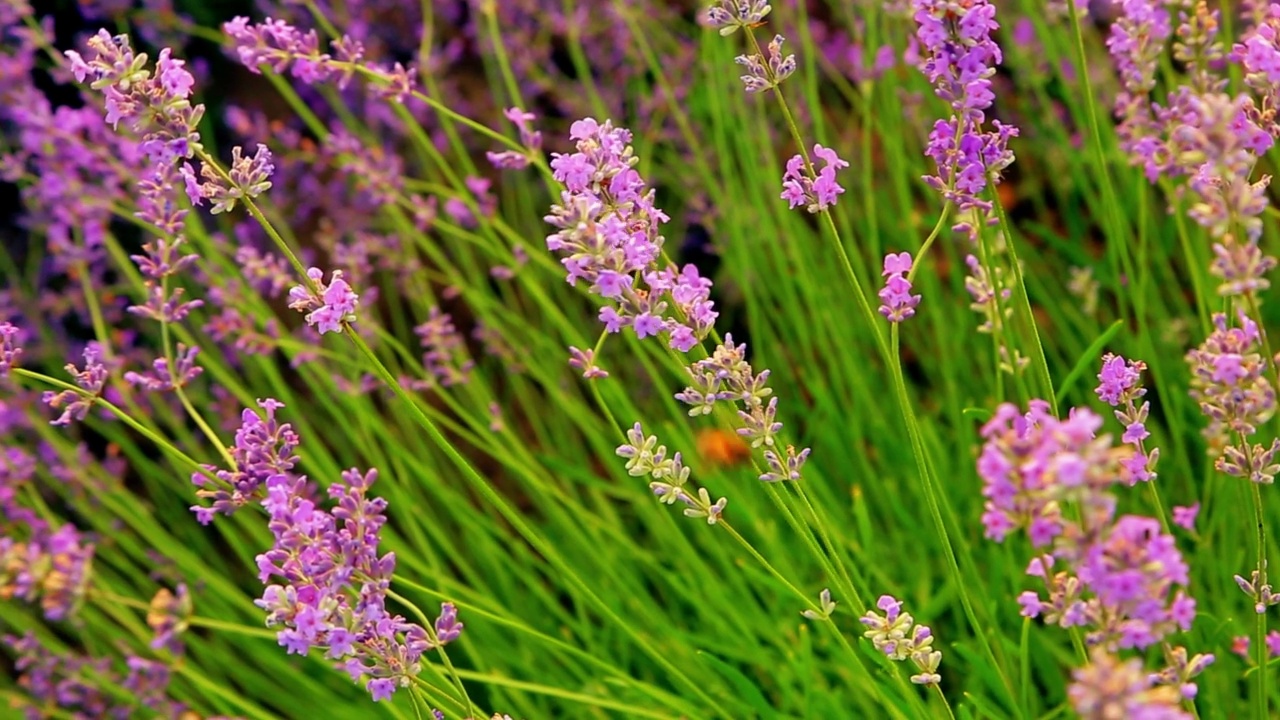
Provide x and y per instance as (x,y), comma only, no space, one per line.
(329,305)
(896,634)
(730,15)
(765,74)
(91,380)
(10,352)
(669,475)
(898,303)
(816,192)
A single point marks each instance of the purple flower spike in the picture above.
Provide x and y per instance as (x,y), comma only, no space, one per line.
(1110,687)
(730,15)
(91,380)
(1185,517)
(10,353)
(330,306)
(609,236)
(765,74)
(818,192)
(897,636)
(898,303)
(448,628)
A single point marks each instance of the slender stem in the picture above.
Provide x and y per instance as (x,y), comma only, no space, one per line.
(1261,641)
(435,639)
(124,417)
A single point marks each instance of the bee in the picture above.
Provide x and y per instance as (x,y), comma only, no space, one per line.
(722,448)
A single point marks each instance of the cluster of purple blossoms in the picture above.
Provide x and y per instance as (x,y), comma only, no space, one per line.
(958,56)
(1259,589)
(445,357)
(10,350)
(1032,463)
(1121,578)
(1120,387)
(585,360)
(153,105)
(50,567)
(92,380)
(726,375)
(167,615)
(989,295)
(1137,40)
(264,448)
(250,176)
(72,685)
(669,476)
(163,378)
(280,46)
(730,15)
(608,231)
(897,635)
(39,563)
(766,74)
(530,138)
(331,585)
(1120,586)
(156,108)
(1229,380)
(1211,138)
(327,306)
(1258,53)
(803,184)
(1111,688)
(898,303)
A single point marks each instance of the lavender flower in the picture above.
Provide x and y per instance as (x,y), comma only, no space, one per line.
(817,192)
(726,375)
(332,584)
(1185,516)
(826,606)
(608,231)
(264,449)
(10,352)
(92,379)
(898,303)
(1119,386)
(585,360)
(670,476)
(445,357)
(1030,464)
(1180,670)
(329,305)
(898,636)
(1229,380)
(1259,590)
(248,177)
(51,567)
(167,616)
(959,58)
(730,15)
(153,105)
(164,379)
(1137,39)
(530,138)
(1109,688)
(765,74)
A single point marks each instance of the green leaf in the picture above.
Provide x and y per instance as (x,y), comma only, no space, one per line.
(747,691)
(1089,357)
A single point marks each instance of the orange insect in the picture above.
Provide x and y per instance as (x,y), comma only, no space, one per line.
(722,448)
